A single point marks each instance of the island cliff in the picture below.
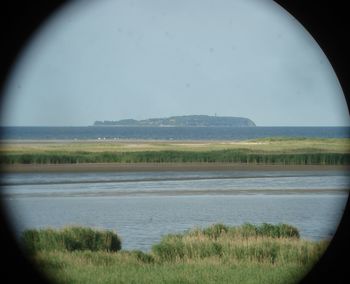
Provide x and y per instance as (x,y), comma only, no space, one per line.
(183,121)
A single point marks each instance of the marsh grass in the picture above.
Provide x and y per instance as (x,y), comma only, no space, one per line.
(99,267)
(219,156)
(217,254)
(282,150)
(70,239)
(249,243)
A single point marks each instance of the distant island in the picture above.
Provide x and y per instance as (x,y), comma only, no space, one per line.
(183,121)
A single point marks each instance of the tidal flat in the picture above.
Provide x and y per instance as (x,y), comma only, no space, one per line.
(147,189)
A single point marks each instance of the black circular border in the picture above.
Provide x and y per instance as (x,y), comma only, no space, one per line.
(327,22)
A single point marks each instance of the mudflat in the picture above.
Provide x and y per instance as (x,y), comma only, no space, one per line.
(131,167)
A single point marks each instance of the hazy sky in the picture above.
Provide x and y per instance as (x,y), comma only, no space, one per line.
(111,60)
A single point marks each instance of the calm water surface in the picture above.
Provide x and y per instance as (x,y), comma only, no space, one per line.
(142,207)
(170,133)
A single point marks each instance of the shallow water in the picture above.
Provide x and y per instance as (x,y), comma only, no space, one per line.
(142,207)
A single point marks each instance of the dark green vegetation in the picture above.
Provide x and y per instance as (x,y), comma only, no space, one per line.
(70,239)
(221,156)
(217,254)
(183,121)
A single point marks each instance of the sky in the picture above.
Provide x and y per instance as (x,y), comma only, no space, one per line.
(115,59)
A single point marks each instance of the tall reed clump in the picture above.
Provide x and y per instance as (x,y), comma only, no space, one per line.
(247,243)
(219,156)
(70,239)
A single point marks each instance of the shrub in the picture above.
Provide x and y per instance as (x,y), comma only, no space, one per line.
(267,230)
(170,248)
(218,240)
(70,239)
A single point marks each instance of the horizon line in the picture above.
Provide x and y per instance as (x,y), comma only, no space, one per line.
(91,125)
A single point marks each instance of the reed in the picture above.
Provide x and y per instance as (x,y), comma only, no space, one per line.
(254,243)
(70,239)
(248,253)
(220,156)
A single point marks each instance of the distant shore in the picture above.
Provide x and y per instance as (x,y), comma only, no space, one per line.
(141,167)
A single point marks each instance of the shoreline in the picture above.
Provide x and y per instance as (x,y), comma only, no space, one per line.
(161,167)
(181,193)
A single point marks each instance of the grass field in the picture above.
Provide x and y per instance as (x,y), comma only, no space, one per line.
(269,145)
(217,254)
(261,151)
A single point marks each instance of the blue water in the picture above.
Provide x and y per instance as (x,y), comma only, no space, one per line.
(144,206)
(171,133)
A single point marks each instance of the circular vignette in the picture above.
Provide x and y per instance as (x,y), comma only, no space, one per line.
(325,22)
(19,22)
(328,24)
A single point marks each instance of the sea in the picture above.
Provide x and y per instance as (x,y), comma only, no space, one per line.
(169,133)
(142,207)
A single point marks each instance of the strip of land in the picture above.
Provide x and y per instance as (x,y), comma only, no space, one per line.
(189,192)
(276,145)
(143,155)
(159,167)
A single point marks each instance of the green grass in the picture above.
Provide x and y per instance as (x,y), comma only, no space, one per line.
(99,267)
(264,243)
(260,151)
(220,156)
(70,239)
(217,254)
